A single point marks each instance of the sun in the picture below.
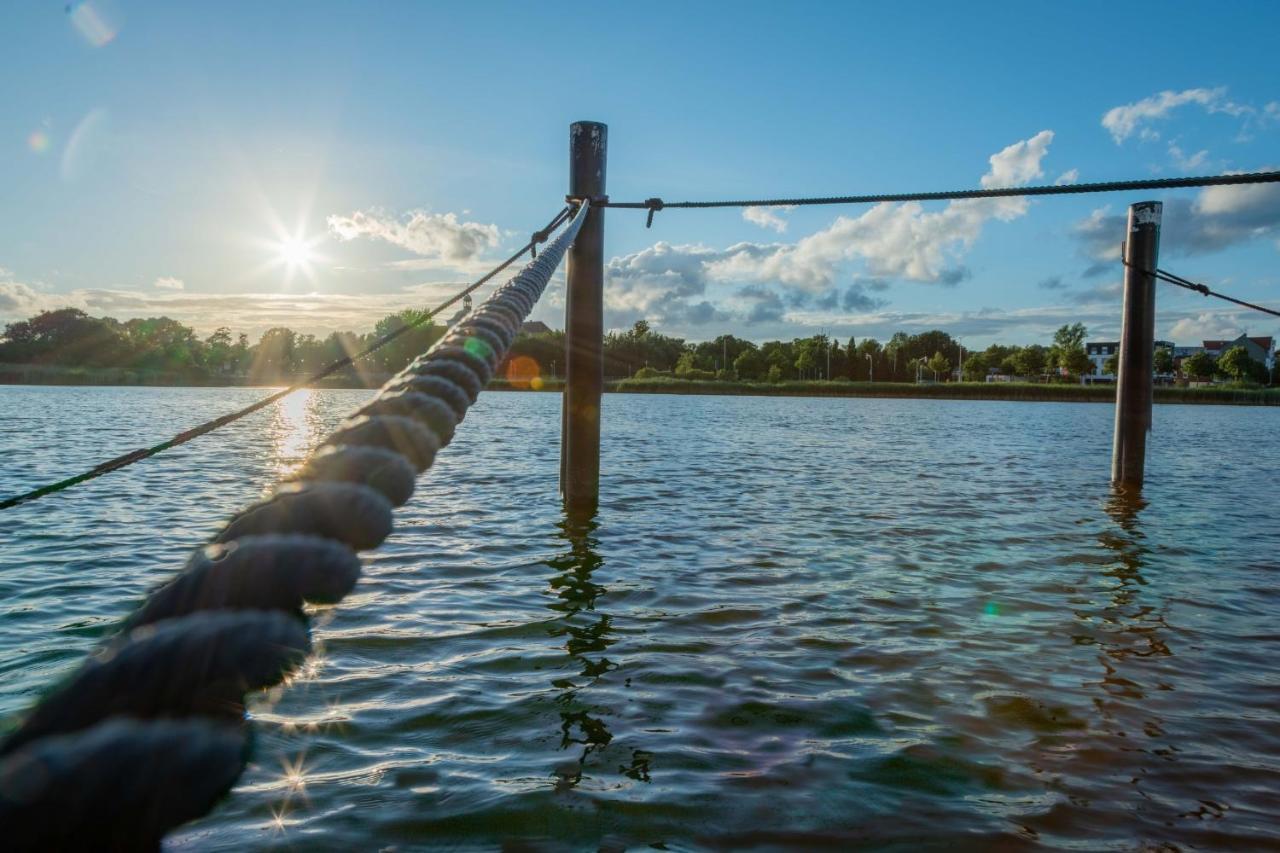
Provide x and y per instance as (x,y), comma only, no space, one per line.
(295,252)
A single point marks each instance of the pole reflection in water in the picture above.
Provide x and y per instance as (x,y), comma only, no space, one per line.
(1134,627)
(1133,650)
(587,634)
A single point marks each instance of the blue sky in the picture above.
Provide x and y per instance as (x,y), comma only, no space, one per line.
(156,156)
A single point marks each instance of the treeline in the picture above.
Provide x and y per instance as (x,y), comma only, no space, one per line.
(644,353)
(70,338)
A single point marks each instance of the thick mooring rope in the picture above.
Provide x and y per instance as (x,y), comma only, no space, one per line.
(150,732)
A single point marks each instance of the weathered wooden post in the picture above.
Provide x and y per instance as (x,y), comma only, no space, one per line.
(584,324)
(1137,346)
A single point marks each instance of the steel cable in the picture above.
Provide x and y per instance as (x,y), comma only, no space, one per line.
(656,204)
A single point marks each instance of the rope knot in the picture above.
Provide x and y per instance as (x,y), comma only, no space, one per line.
(654,205)
(535,239)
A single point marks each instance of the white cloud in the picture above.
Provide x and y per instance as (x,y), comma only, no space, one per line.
(766,218)
(1192,330)
(168,282)
(19,300)
(898,241)
(431,235)
(667,283)
(1068,177)
(1126,120)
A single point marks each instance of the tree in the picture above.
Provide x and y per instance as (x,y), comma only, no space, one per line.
(750,364)
(805,362)
(1030,360)
(775,373)
(975,367)
(1199,365)
(1111,365)
(1163,360)
(273,358)
(1068,349)
(940,365)
(1237,364)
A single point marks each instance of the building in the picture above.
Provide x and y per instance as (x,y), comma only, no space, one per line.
(1100,351)
(1261,350)
(535,327)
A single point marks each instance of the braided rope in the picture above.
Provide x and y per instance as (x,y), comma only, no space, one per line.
(150,732)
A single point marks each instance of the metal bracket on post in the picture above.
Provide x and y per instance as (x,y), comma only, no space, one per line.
(1134,379)
(584,323)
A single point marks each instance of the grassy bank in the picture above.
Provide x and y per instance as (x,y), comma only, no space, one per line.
(42,375)
(951,390)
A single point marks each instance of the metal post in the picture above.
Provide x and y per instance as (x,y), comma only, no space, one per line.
(584,324)
(1137,346)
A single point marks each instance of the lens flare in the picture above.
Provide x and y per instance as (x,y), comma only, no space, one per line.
(523,372)
(93,24)
(38,141)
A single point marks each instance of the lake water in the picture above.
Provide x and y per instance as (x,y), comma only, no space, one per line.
(795,623)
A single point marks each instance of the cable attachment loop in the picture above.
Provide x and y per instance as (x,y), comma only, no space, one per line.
(653,205)
(536,238)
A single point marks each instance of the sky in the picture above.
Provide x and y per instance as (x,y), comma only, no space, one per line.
(320,165)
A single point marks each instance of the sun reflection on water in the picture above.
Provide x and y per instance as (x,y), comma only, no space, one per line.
(295,428)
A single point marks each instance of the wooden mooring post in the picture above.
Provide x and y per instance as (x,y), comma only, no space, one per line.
(1134,377)
(584,324)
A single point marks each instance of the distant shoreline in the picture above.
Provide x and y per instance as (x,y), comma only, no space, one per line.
(1007,391)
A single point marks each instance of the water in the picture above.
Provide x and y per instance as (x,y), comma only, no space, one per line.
(900,624)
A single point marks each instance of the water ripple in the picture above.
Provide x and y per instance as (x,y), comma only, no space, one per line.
(901,624)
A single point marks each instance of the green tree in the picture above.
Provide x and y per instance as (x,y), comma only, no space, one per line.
(1030,360)
(975,367)
(805,362)
(1111,365)
(940,365)
(1163,360)
(775,373)
(1237,364)
(1068,350)
(750,364)
(1199,365)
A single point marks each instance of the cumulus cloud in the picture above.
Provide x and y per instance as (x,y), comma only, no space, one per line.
(903,241)
(1217,218)
(1206,327)
(167,282)
(1068,177)
(430,235)
(763,305)
(19,300)
(765,217)
(661,283)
